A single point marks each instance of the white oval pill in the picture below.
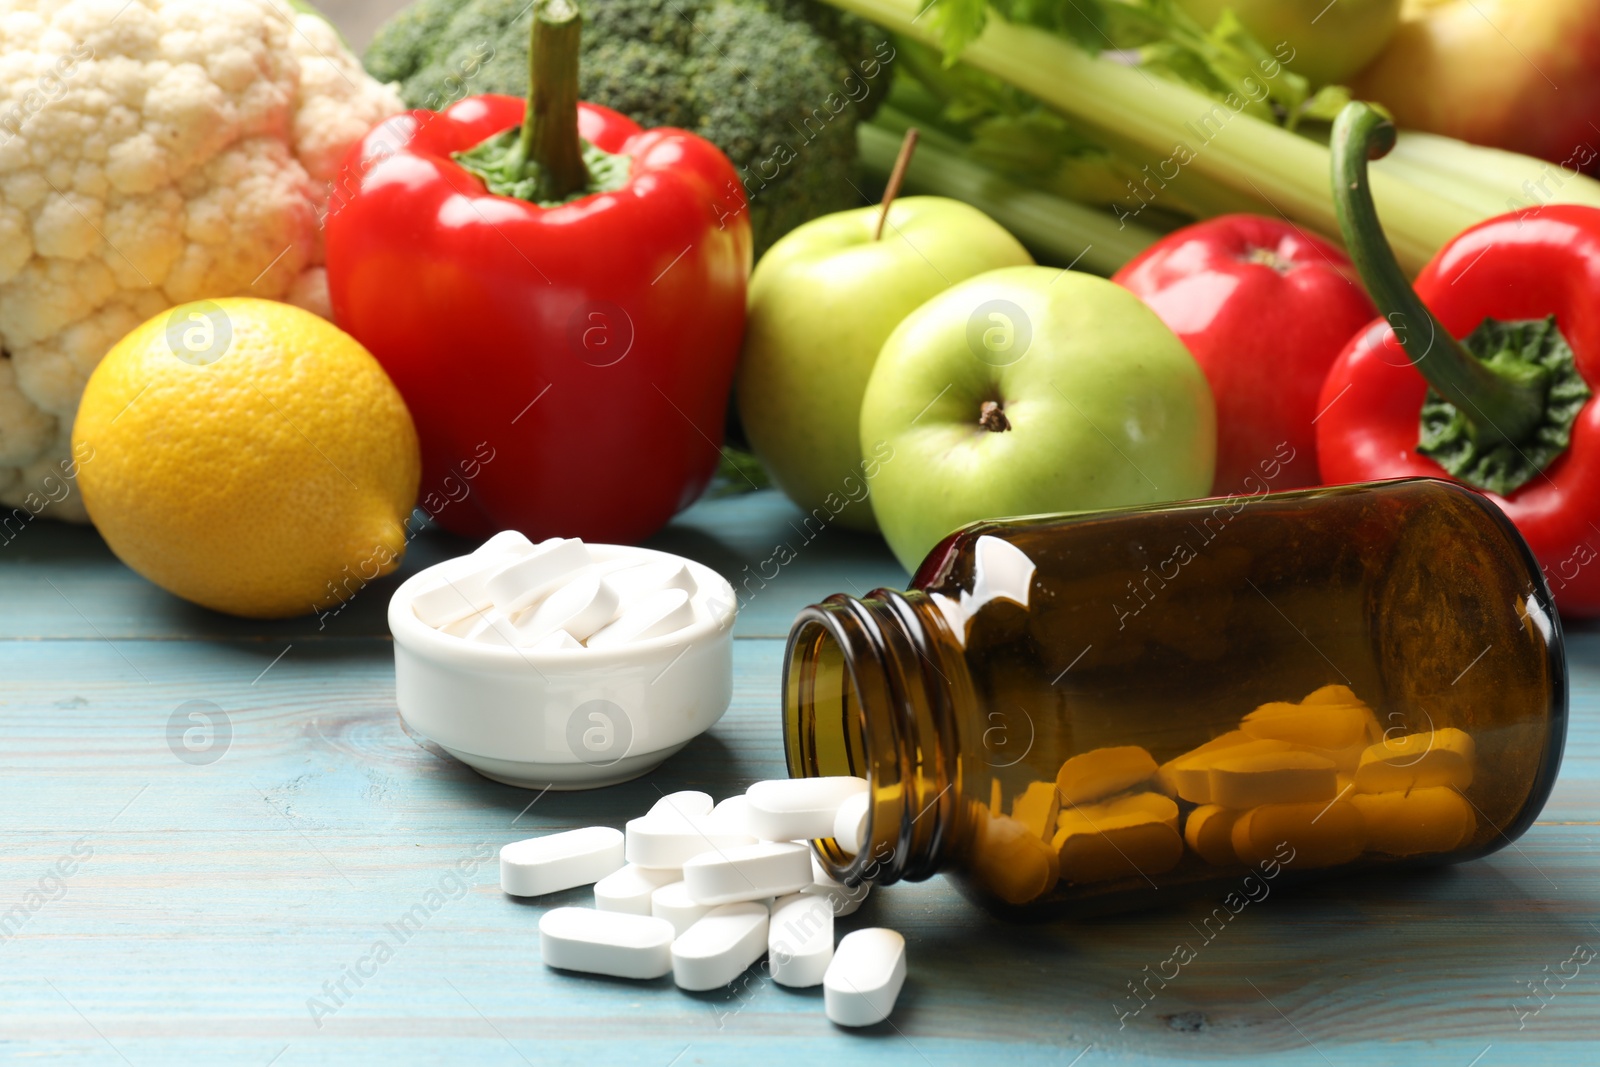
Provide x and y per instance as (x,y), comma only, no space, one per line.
(720,946)
(462,626)
(641,579)
(554,862)
(841,898)
(864,979)
(667,839)
(493,628)
(850,821)
(690,803)
(786,809)
(733,813)
(748,872)
(560,641)
(602,942)
(653,615)
(458,589)
(672,903)
(518,584)
(508,543)
(799,940)
(630,888)
(580,606)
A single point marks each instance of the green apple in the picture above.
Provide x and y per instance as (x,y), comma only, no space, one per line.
(822,301)
(1325,41)
(1026,391)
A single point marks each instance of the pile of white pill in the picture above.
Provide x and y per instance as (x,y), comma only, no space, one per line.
(555,595)
(704,891)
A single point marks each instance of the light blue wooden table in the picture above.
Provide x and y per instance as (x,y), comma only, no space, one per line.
(212,911)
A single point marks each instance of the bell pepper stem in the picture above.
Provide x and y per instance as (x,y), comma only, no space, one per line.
(1498,407)
(550,138)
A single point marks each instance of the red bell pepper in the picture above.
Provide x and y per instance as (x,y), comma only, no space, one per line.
(1264,308)
(547,280)
(1507,409)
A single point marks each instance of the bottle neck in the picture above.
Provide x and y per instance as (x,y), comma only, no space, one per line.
(871,690)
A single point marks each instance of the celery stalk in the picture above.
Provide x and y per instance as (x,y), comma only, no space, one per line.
(1505,181)
(1053,228)
(1287,173)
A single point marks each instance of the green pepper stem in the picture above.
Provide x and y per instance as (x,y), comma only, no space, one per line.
(550,127)
(1497,407)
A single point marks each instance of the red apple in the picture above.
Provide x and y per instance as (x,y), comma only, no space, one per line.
(1522,75)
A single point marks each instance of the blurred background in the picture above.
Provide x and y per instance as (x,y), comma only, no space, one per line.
(357,19)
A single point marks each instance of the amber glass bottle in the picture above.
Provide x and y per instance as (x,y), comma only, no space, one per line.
(1083,714)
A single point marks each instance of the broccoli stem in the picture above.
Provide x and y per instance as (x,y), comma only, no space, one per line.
(550,149)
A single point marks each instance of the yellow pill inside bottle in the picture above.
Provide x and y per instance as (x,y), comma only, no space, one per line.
(1245,781)
(1431,819)
(1147,805)
(1100,772)
(1192,775)
(1135,845)
(1167,773)
(1333,694)
(1209,831)
(1346,759)
(1301,835)
(1037,808)
(1416,761)
(1011,861)
(1332,726)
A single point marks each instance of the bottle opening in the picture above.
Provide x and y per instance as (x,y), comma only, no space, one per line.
(825,725)
(857,702)
(823,690)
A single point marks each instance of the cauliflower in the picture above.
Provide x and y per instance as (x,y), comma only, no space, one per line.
(152,152)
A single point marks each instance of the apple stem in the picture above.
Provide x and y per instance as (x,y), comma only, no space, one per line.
(896,176)
(992,417)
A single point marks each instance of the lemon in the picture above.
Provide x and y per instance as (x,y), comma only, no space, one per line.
(248,456)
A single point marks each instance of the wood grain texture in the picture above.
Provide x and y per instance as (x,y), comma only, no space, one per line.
(211,903)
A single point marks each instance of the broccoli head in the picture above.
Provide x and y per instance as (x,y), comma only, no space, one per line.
(778,85)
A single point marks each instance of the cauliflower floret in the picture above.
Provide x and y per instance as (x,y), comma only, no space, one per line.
(152,152)
(22,426)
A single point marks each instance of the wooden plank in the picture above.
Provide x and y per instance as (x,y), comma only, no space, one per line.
(217,900)
(60,581)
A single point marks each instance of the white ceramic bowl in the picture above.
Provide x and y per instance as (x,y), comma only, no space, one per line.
(573,718)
